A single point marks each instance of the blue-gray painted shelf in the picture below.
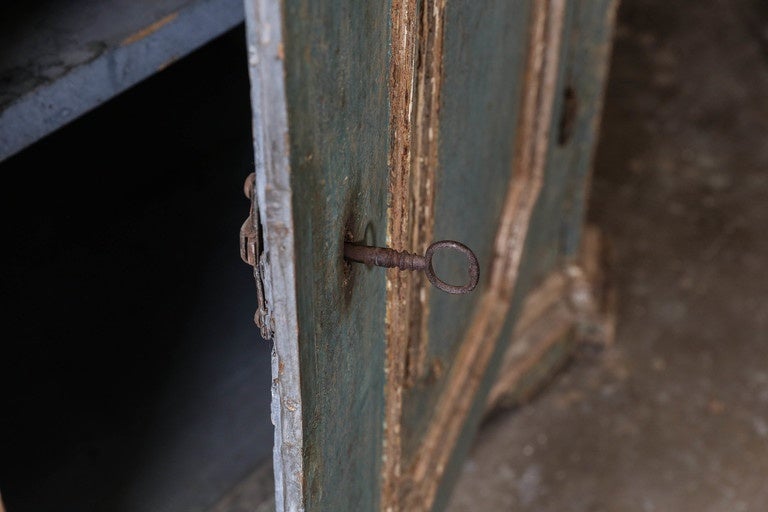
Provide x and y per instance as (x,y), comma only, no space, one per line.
(59,60)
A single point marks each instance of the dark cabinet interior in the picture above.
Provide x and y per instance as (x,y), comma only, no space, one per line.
(132,375)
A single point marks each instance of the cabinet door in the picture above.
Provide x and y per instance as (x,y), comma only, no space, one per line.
(397,124)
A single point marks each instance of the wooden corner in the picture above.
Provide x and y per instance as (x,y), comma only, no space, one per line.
(575,304)
(593,291)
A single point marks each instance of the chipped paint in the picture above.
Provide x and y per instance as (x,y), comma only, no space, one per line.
(149,30)
(404,23)
(429,81)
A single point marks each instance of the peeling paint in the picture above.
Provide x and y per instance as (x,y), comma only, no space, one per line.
(151,29)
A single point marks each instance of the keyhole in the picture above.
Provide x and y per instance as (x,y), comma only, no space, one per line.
(568,116)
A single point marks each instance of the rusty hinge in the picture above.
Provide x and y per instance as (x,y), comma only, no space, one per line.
(251,251)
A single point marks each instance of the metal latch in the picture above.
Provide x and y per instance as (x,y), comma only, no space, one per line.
(251,252)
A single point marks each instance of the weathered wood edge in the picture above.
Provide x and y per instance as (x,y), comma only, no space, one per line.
(594,295)
(416,37)
(273,189)
(428,91)
(403,41)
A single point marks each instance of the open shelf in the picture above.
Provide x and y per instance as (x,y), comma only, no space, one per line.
(61,58)
(133,377)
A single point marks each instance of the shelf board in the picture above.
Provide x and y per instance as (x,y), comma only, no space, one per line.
(60,59)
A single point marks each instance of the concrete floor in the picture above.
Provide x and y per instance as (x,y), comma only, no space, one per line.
(673,417)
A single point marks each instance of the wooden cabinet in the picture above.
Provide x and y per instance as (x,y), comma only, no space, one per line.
(391,124)
(398,124)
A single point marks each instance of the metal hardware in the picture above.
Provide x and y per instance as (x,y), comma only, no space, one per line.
(390,258)
(251,253)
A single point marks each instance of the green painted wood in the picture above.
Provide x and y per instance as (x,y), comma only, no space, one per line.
(540,256)
(588,67)
(319,73)
(556,226)
(328,69)
(484,52)
(337,71)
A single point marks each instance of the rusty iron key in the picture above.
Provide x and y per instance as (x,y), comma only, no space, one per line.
(390,258)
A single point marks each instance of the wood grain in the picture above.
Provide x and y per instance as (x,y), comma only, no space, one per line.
(404,40)
(429,74)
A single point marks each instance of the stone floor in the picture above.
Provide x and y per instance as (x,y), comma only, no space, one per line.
(673,417)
